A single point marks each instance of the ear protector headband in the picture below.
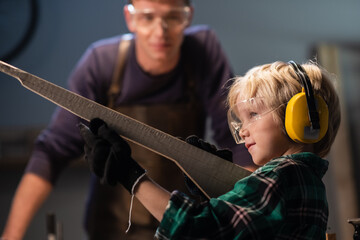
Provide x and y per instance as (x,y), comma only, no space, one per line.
(306,115)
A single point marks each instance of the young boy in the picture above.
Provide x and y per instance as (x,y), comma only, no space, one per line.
(284,198)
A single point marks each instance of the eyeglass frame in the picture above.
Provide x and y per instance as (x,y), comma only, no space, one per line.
(233,125)
(186,10)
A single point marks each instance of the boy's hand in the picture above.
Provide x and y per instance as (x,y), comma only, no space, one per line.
(197,142)
(109,155)
(222,153)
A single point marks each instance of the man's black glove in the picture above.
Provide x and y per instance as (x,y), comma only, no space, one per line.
(109,155)
(222,153)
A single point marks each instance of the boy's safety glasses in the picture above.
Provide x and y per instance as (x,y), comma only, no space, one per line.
(244,113)
(147,18)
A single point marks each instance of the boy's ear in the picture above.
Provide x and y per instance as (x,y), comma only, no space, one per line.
(128,19)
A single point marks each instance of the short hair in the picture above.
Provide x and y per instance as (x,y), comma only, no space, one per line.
(187,2)
(277,82)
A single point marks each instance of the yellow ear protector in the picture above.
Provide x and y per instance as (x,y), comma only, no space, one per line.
(306,115)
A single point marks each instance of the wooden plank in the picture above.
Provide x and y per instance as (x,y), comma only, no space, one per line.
(211,174)
(341,153)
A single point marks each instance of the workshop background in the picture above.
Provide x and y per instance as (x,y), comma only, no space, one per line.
(47,38)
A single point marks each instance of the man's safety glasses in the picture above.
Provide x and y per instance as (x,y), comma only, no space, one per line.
(147,18)
(245,113)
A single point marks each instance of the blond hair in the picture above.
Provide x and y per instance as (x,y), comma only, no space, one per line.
(277,83)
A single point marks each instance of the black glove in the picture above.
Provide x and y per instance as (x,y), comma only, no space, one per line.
(109,155)
(222,153)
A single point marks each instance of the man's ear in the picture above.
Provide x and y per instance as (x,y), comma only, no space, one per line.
(191,16)
(128,19)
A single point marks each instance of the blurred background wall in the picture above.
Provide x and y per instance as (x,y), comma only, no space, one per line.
(251,32)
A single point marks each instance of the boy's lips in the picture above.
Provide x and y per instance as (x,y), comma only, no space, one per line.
(248,145)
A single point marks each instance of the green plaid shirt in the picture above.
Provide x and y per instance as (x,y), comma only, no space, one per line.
(284,199)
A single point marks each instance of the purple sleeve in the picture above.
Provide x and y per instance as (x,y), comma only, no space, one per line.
(216,80)
(60,143)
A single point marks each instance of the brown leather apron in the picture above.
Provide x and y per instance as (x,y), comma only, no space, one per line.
(109,210)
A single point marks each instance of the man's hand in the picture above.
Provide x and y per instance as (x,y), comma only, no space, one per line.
(109,155)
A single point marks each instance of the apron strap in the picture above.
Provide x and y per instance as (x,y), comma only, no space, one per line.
(115,86)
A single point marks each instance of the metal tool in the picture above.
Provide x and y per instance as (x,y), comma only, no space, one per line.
(356,223)
(53,227)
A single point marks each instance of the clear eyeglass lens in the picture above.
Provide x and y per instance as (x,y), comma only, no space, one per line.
(245,113)
(147,18)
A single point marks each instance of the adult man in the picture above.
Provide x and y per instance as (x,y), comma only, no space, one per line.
(170,74)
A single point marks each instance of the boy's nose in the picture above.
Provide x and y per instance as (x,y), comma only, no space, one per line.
(244,132)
